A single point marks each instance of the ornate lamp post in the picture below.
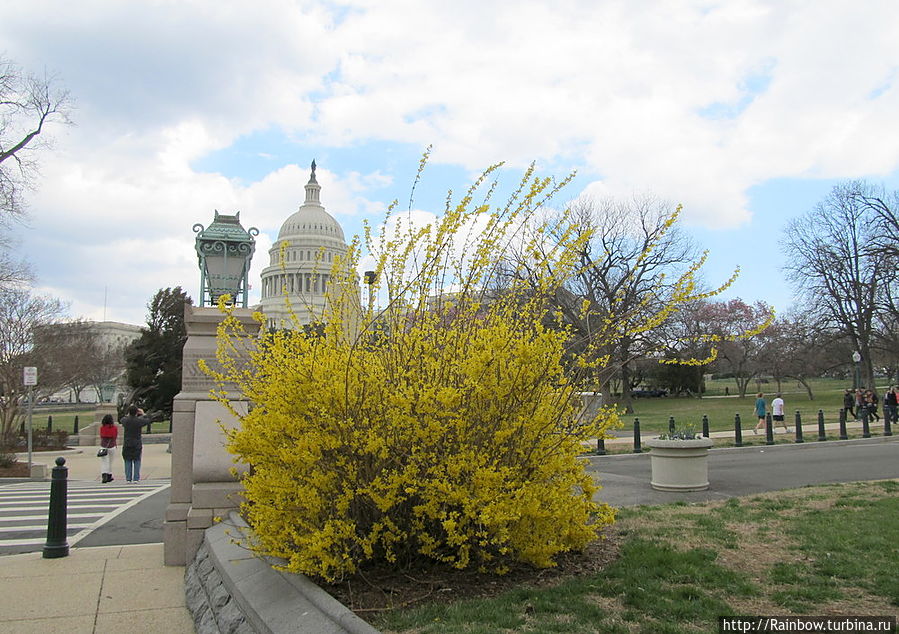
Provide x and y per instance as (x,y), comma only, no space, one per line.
(224,251)
(857,358)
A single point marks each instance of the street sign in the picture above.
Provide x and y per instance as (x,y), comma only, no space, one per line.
(30,376)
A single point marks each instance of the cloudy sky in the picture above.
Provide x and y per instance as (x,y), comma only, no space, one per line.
(746,112)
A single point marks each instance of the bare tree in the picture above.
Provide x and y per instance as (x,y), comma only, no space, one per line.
(28,104)
(842,279)
(628,269)
(21,313)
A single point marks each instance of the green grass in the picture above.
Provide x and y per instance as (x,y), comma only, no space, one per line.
(823,550)
(66,421)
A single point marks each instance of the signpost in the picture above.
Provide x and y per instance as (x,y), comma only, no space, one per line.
(30,380)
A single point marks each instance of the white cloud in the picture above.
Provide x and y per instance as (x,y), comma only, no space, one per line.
(626,92)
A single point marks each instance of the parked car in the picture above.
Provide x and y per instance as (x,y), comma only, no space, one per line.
(653,393)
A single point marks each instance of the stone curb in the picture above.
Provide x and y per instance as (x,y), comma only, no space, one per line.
(269,601)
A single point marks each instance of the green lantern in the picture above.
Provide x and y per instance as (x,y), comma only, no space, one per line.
(224,251)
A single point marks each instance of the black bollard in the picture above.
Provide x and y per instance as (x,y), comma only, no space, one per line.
(799,437)
(887,431)
(866,426)
(822,433)
(769,430)
(75,426)
(150,427)
(600,446)
(705,426)
(843,434)
(170,426)
(637,447)
(49,423)
(738,431)
(671,425)
(56,545)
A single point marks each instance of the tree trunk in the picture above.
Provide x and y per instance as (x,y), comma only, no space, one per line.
(808,388)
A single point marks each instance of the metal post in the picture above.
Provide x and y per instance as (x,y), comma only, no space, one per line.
(799,437)
(170,424)
(887,431)
(637,447)
(769,430)
(738,431)
(822,433)
(75,426)
(705,426)
(600,446)
(56,545)
(866,428)
(49,423)
(843,434)
(30,409)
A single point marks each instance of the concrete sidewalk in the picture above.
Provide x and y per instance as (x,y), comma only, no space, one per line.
(103,589)
(111,589)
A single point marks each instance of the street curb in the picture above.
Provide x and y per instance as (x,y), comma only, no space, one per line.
(273,601)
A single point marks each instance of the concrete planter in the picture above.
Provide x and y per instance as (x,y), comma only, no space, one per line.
(679,465)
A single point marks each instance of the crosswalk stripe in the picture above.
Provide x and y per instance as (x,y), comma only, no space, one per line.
(39,527)
(18,518)
(88,504)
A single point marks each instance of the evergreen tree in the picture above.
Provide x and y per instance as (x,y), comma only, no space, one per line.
(154,359)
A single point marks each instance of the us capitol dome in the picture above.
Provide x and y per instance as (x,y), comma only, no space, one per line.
(309,240)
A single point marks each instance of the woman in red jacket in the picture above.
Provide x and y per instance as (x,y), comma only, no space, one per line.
(108,434)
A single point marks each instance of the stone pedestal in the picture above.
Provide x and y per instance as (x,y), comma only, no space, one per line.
(203,486)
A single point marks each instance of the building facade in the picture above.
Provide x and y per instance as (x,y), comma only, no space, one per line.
(295,282)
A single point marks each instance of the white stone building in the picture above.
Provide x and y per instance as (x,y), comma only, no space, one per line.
(300,262)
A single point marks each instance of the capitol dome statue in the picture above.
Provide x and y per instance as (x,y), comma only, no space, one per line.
(300,263)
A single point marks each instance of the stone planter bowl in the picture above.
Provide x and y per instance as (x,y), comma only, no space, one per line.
(679,465)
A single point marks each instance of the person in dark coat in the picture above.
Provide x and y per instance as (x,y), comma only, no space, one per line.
(849,404)
(132,446)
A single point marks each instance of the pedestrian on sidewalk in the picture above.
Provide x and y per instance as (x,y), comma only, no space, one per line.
(759,412)
(132,445)
(849,403)
(891,405)
(777,411)
(108,434)
(860,404)
(871,404)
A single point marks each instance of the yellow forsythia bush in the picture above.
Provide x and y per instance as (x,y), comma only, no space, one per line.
(441,425)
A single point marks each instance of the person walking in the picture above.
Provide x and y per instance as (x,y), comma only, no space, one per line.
(132,445)
(871,404)
(108,434)
(849,403)
(759,412)
(777,411)
(860,404)
(891,405)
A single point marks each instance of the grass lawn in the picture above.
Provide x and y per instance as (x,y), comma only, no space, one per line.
(655,412)
(823,550)
(66,421)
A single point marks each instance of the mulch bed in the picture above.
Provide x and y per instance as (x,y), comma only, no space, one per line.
(17,470)
(20,469)
(383,588)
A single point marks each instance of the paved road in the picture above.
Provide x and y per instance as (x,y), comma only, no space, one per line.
(745,471)
(98,514)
